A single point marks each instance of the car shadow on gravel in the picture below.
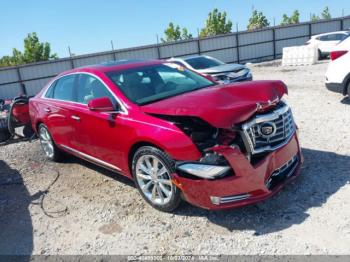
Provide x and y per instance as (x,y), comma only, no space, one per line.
(323,174)
(16,229)
(345,100)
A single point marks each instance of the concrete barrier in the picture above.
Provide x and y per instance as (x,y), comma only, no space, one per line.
(299,55)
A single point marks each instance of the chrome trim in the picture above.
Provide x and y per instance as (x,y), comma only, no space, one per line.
(76,118)
(122,106)
(91,158)
(250,141)
(229,199)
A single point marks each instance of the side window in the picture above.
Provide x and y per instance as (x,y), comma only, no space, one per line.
(49,92)
(64,88)
(90,87)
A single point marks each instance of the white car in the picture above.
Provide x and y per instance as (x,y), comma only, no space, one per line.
(326,42)
(219,71)
(338,72)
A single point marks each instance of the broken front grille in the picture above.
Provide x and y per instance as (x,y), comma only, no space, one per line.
(268,132)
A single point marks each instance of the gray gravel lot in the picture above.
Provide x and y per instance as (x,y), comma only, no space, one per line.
(92,211)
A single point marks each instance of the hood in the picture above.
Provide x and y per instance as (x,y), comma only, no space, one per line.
(221,105)
(222,69)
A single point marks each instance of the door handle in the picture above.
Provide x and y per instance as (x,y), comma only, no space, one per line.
(47,110)
(76,118)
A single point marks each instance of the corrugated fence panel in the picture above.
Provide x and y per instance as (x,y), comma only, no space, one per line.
(44,70)
(92,60)
(9,75)
(34,86)
(226,55)
(10,91)
(325,27)
(217,43)
(147,53)
(256,51)
(180,49)
(255,37)
(291,31)
(346,24)
(290,42)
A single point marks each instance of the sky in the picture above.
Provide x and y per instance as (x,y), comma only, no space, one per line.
(90,26)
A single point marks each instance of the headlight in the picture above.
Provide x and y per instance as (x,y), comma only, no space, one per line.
(203,170)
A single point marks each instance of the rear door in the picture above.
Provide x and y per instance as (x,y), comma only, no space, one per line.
(56,105)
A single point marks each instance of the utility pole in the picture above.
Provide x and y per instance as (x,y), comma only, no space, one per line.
(70,53)
(112,45)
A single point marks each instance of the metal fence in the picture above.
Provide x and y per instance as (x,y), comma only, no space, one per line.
(239,47)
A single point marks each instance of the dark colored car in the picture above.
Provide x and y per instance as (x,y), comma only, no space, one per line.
(174,132)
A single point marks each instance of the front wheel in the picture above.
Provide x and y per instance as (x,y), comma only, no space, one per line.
(48,145)
(152,169)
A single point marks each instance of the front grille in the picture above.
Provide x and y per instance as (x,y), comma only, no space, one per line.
(281,125)
(282,173)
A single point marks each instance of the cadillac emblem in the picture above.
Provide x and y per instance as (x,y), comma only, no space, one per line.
(267,129)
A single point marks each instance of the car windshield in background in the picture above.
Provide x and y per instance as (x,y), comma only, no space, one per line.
(202,62)
(148,84)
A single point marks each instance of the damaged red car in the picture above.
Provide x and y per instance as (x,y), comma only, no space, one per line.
(177,134)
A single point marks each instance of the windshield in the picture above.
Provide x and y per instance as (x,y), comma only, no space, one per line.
(148,84)
(203,62)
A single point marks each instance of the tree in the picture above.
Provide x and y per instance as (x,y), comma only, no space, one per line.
(326,13)
(314,18)
(34,51)
(175,33)
(293,19)
(257,21)
(216,24)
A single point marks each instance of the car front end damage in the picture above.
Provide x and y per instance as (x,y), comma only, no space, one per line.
(248,169)
(244,162)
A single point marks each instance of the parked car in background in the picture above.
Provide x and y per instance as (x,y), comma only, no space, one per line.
(338,72)
(326,42)
(221,72)
(177,134)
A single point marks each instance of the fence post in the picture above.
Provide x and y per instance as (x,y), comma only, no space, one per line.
(23,87)
(237,47)
(274,42)
(199,46)
(341,24)
(310,30)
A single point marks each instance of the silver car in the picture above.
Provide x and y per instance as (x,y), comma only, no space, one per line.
(218,70)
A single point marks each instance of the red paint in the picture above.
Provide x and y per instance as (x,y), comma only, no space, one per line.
(111,137)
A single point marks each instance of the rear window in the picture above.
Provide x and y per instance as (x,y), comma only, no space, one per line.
(64,88)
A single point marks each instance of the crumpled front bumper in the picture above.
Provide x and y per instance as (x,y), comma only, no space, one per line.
(249,183)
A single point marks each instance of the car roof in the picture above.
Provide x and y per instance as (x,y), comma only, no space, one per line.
(114,66)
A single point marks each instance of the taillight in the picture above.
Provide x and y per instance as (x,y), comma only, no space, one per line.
(336,54)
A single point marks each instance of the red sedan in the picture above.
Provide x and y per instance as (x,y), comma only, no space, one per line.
(176,133)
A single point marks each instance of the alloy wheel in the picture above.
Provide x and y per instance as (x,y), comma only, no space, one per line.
(154,179)
(46,142)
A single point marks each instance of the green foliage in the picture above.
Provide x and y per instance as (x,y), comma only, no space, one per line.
(257,21)
(326,13)
(216,24)
(314,18)
(293,19)
(34,51)
(175,33)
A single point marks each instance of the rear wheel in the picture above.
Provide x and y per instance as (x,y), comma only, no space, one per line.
(48,145)
(152,169)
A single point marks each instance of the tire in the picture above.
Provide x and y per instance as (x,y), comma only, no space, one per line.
(152,169)
(320,56)
(348,89)
(48,145)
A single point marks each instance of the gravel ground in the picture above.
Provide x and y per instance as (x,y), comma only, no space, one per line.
(92,211)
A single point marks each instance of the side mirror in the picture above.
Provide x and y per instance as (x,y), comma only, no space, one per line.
(102,104)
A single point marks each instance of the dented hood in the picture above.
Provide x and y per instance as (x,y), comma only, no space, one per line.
(222,105)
